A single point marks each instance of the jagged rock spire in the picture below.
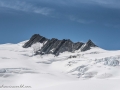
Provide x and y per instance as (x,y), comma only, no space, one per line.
(87,45)
(35,38)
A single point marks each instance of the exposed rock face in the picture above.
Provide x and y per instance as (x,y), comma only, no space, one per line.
(35,38)
(55,46)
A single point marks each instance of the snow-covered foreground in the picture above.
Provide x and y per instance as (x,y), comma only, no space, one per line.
(95,69)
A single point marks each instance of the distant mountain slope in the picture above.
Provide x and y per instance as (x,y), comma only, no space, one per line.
(55,46)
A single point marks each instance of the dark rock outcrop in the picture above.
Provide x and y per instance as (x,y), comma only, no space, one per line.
(55,46)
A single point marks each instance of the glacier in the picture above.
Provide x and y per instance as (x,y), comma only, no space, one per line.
(94,69)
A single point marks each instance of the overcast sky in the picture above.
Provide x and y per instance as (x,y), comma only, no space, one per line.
(78,20)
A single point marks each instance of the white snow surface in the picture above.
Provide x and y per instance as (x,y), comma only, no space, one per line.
(95,69)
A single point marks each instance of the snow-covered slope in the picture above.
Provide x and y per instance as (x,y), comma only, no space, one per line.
(95,69)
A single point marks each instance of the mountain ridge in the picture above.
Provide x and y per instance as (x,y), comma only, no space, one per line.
(57,46)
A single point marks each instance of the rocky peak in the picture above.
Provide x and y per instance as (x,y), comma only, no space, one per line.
(35,38)
(87,45)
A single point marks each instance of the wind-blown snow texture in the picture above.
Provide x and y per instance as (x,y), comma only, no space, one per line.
(94,69)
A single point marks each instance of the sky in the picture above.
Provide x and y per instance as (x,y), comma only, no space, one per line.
(78,20)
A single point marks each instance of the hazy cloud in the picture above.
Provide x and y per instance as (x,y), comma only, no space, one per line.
(80,20)
(105,3)
(25,6)
(112,25)
(81,11)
